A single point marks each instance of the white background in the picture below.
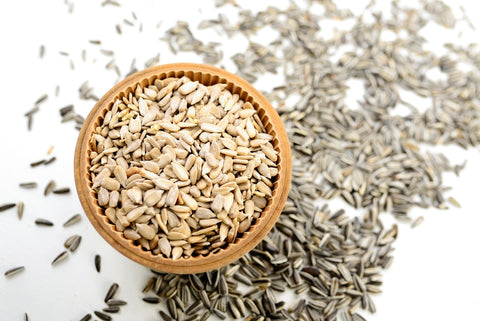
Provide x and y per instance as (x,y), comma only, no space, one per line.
(434,275)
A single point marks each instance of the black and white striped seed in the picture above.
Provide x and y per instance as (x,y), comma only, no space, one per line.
(73,220)
(60,257)
(103,316)
(14,271)
(111,292)
(63,190)
(43,222)
(6,206)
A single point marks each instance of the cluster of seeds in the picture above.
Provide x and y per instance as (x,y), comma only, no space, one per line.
(182,168)
(333,260)
(113,305)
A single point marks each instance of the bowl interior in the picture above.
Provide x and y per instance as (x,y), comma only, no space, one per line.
(244,242)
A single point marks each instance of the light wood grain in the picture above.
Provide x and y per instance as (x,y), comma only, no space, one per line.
(207,75)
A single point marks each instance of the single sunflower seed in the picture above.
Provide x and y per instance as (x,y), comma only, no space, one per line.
(43,222)
(6,206)
(59,258)
(72,220)
(14,271)
(98,262)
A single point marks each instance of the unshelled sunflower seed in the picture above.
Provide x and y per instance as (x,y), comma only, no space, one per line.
(14,271)
(60,257)
(72,220)
(6,206)
(98,262)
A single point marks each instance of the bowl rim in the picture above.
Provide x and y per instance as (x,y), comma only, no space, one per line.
(195,264)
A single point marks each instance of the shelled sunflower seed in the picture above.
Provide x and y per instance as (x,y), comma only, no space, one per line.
(114,309)
(334,260)
(186,182)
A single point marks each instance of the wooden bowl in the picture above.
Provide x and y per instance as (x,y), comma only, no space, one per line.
(206,75)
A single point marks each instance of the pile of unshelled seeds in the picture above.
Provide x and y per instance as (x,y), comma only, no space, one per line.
(182,168)
(369,155)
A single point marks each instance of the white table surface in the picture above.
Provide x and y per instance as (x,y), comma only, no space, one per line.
(435,273)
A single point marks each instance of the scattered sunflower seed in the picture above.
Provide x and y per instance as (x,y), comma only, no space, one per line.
(6,206)
(103,316)
(41,99)
(42,51)
(72,220)
(98,262)
(224,162)
(49,188)
(113,309)
(36,163)
(116,302)
(43,222)
(28,185)
(75,243)
(50,160)
(151,299)
(63,190)
(14,271)
(60,257)
(454,202)
(70,240)
(87,317)
(111,292)
(20,209)
(418,221)
(65,110)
